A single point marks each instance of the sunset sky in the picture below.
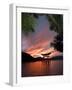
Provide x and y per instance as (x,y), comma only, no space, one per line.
(38,42)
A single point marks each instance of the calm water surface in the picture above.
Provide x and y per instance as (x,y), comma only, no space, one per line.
(42,68)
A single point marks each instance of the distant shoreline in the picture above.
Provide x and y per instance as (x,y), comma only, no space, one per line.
(42,59)
(28,58)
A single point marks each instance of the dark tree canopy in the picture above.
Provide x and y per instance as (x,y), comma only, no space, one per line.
(28,21)
(56,24)
(58,43)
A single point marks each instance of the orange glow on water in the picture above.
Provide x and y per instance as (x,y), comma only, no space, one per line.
(42,68)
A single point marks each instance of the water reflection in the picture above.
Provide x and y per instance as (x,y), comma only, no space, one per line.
(41,68)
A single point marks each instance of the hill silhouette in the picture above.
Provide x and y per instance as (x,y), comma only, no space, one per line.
(26,57)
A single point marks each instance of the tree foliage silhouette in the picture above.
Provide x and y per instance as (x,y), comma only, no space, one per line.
(28,21)
(56,24)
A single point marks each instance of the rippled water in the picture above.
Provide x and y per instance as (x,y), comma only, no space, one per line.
(42,68)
